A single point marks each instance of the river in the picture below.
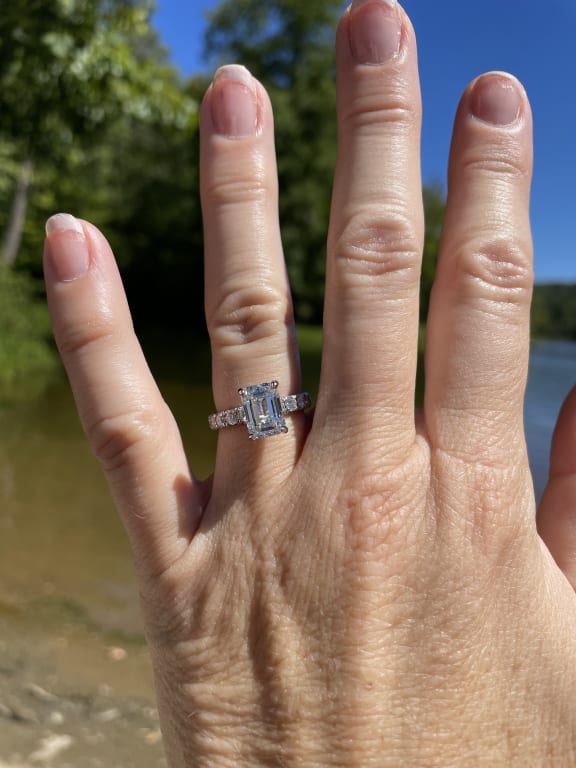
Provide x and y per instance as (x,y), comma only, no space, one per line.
(551,376)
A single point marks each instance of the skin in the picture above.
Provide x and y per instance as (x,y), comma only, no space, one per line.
(370,589)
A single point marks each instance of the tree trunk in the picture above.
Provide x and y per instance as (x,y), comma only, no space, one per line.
(13,236)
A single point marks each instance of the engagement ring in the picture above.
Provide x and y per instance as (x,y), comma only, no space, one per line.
(262,411)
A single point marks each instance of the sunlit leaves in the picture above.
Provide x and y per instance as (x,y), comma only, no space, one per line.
(89,100)
(75,65)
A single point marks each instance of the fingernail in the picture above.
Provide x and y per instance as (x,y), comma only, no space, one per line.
(234,102)
(66,247)
(375,29)
(496,98)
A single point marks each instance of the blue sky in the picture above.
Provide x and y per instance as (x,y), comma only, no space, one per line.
(458,40)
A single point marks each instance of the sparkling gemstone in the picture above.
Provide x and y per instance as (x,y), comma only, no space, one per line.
(263,408)
(232,418)
(303,401)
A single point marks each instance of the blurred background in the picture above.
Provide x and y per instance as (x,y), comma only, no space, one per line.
(99,108)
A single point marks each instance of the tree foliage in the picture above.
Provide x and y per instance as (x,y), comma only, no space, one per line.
(102,126)
(276,40)
(78,79)
(70,67)
(25,356)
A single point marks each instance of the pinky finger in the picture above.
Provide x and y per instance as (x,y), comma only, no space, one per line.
(129,426)
(557,513)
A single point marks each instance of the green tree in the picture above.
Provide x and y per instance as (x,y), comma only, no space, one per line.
(93,121)
(68,70)
(25,357)
(434,207)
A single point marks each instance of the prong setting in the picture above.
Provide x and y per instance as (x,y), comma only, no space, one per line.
(263,410)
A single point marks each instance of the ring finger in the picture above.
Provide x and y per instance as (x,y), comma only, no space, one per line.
(248,304)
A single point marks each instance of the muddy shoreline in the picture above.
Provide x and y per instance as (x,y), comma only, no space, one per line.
(75,697)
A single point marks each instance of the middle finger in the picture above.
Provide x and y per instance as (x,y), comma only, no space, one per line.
(376,230)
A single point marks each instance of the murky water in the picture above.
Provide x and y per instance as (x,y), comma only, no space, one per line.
(63,552)
(62,548)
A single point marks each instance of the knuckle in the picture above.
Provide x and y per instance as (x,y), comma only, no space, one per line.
(380,244)
(489,491)
(498,162)
(374,109)
(247,315)
(114,439)
(379,508)
(499,272)
(231,189)
(74,338)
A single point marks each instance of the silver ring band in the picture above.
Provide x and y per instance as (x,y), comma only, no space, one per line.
(262,410)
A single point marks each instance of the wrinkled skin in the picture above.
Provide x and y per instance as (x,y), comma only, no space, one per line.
(370,589)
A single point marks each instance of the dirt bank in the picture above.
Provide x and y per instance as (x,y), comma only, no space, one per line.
(73,697)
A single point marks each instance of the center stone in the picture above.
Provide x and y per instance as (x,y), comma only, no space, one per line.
(263,408)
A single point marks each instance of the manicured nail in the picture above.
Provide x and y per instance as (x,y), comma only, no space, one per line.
(375,29)
(234,102)
(66,247)
(496,98)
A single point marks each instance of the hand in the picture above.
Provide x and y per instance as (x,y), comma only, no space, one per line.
(368,589)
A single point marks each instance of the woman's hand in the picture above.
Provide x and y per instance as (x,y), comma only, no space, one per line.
(368,589)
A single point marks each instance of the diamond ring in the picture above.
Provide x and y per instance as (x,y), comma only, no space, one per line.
(262,410)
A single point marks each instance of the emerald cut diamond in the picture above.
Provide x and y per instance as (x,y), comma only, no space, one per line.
(263,407)
(262,410)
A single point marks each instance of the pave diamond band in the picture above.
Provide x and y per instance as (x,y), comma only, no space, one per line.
(262,410)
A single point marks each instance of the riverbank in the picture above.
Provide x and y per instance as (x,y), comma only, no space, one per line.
(70,698)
